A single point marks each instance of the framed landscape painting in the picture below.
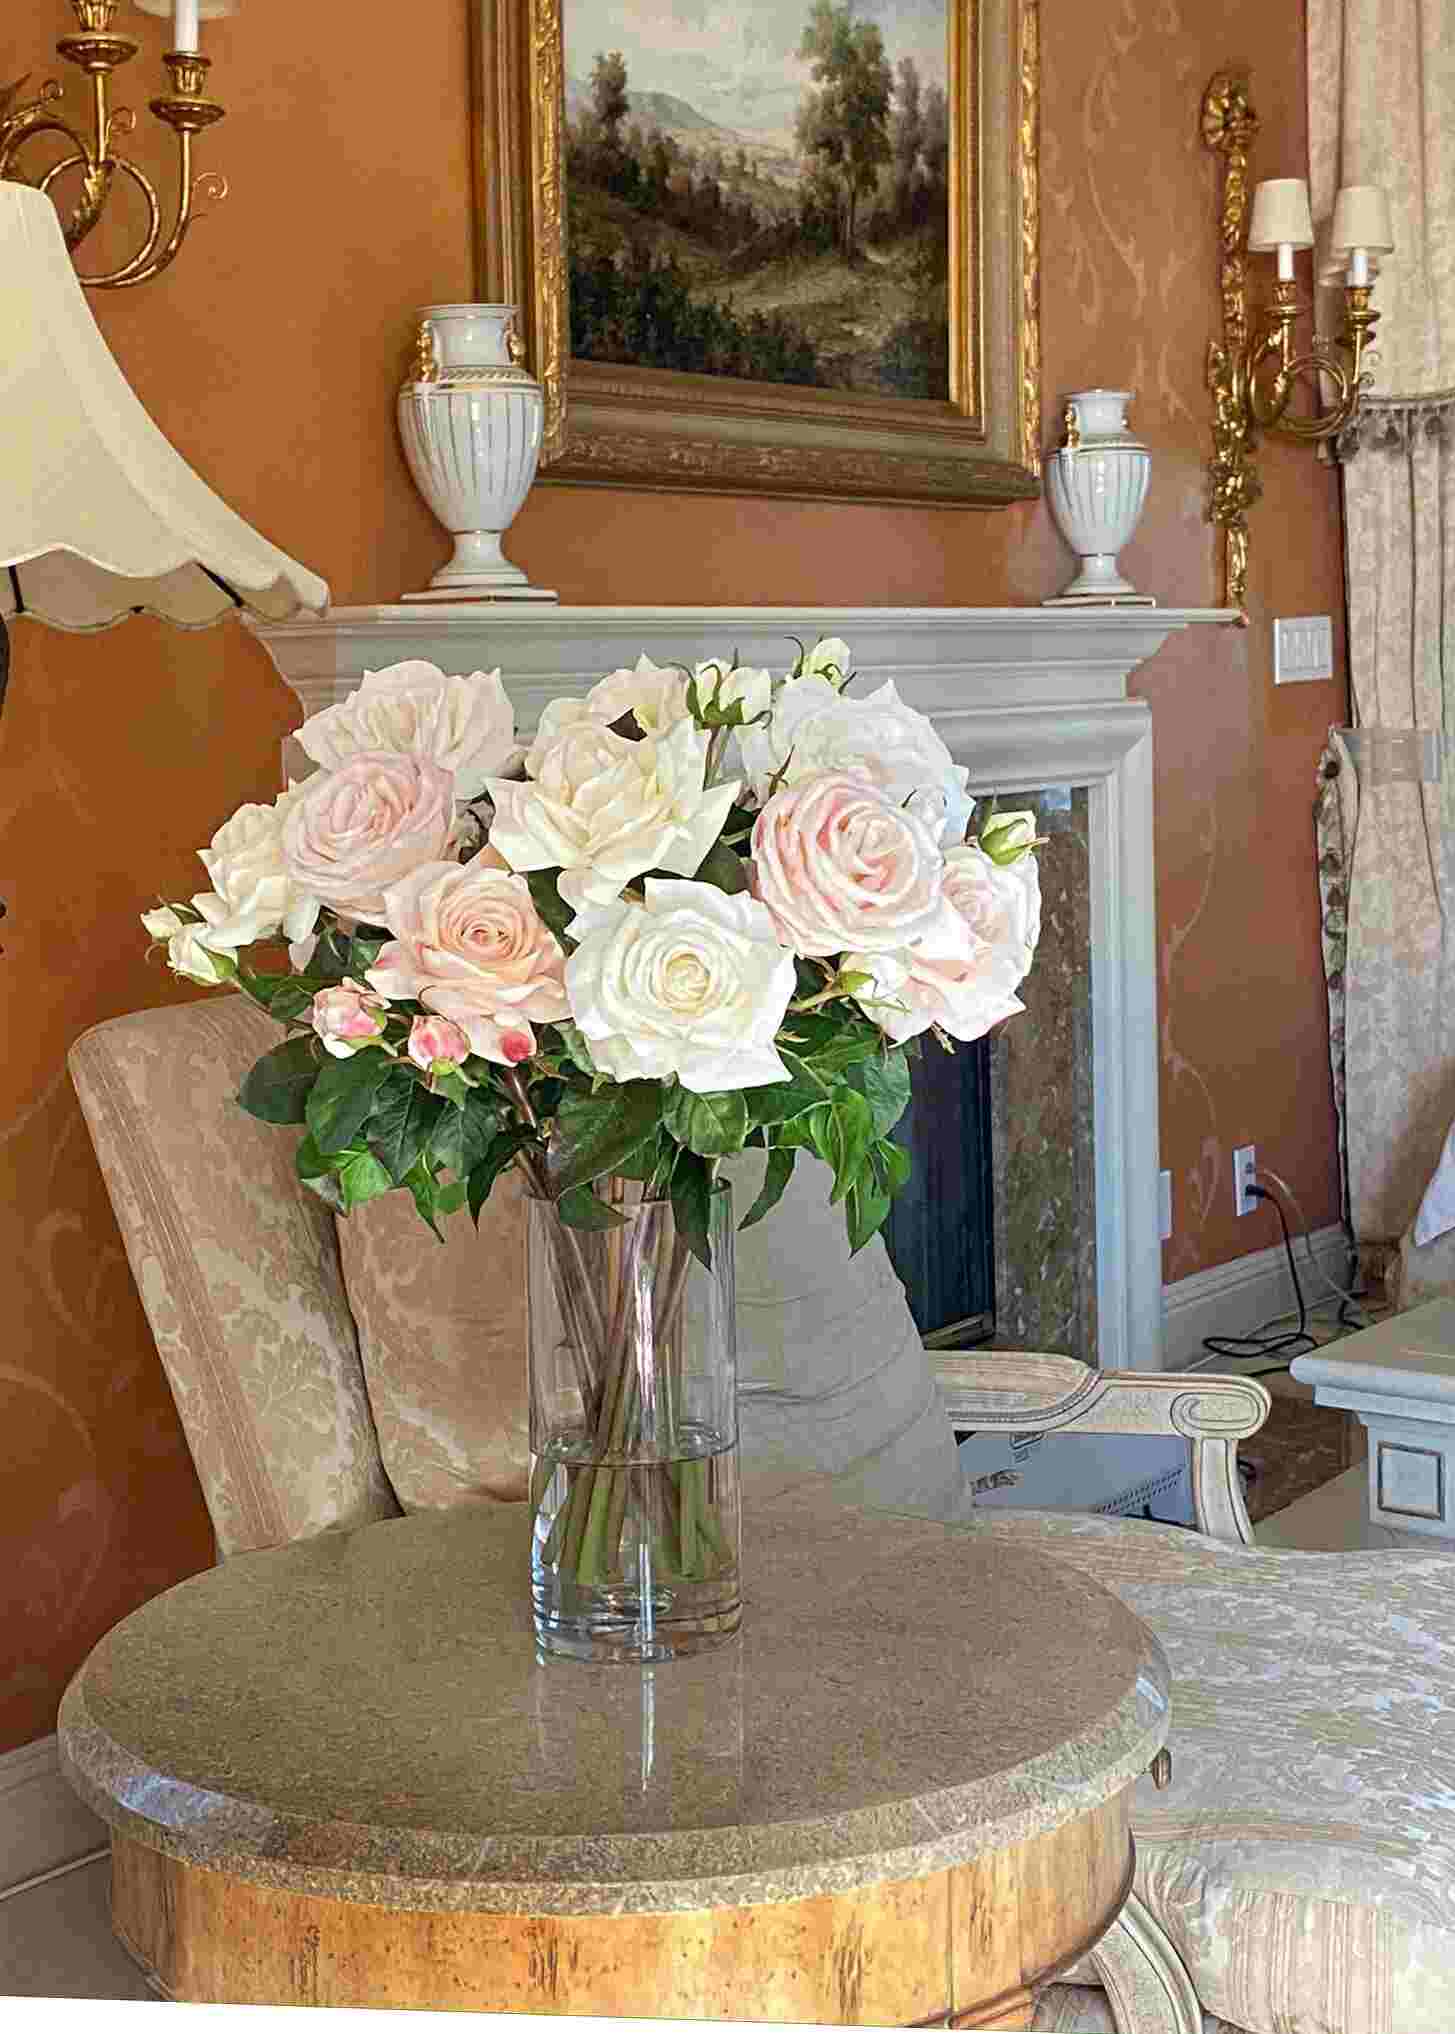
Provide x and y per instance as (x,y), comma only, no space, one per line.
(780,247)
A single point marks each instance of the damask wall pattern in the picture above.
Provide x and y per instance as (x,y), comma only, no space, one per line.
(270,356)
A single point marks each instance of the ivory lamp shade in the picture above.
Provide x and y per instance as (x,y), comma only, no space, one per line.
(1281,216)
(1361,219)
(99,516)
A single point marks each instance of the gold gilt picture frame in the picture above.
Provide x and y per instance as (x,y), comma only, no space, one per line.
(614,422)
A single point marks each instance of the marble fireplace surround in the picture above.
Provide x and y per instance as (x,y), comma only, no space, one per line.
(1027,697)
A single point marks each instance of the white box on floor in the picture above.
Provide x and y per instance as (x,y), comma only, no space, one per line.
(1126,1475)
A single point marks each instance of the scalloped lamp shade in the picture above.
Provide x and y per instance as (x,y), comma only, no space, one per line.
(99,516)
(208,10)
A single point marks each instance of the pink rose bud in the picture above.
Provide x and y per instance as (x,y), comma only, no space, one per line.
(517,1045)
(348,1017)
(435,1042)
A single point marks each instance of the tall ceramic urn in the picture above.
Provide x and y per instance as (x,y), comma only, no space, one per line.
(1096,485)
(470,417)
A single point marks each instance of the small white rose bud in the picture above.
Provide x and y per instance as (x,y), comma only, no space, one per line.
(1008,837)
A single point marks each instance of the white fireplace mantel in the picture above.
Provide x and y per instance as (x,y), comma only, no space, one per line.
(1026,697)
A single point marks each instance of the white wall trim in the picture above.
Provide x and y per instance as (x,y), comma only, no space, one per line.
(1235,1298)
(42,1823)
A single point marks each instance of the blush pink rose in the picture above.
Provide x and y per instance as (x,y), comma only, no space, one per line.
(352,832)
(1000,904)
(950,977)
(469,944)
(435,1041)
(843,868)
(347,1017)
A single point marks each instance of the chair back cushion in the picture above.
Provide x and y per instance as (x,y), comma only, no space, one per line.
(442,1334)
(834,1380)
(237,1265)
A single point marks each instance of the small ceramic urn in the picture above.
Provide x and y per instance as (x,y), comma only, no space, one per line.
(470,418)
(1096,486)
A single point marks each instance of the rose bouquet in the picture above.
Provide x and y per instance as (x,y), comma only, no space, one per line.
(702,911)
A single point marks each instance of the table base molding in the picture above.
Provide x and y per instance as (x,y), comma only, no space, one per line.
(986,1934)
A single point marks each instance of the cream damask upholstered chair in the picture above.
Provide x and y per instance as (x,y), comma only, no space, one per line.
(1295,1877)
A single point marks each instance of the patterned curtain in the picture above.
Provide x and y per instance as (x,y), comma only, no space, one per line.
(1381,89)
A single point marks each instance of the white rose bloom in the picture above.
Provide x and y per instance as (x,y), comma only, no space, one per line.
(1001,905)
(691,983)
(718,685)
(830,658)
(466,725)
(186,955)
(253,895)
(949,977)
(163,922)
(815,728)
(655,697)
(602,809)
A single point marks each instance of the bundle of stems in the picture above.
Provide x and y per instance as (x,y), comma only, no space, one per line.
(624,1320)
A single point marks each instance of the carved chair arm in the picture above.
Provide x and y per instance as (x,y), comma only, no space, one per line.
(1027,1393)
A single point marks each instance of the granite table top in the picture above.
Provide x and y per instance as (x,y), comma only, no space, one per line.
(362,1715)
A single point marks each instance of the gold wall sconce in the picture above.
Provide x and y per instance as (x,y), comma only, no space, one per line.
(1255,368)
(97,50)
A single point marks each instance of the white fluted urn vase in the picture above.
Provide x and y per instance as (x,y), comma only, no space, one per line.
(471,418)
(1096,485)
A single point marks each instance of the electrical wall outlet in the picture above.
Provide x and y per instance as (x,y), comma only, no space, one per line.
(1164,1203)
(1303,649)
(1245,1164)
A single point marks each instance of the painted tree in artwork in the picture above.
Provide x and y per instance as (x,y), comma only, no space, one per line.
(843,125)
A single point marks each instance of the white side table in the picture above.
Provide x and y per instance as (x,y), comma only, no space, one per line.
(1400,1380)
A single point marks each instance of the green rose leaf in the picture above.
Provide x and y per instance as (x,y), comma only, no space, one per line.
(692,1203)
(595,1132)
(580,1209)
(891,1163)
(463,1135)
(276,1089)
(865,1208)
(884,1084)
(575,1047)
(361,1178)
(549,904)
(842,1135)
(707,1124)
(426,1192)
(723,869)
(454,1087)
(345,1095)
(483,1175)
(315,1171)
(780,1101)
(404,1118)
(775,1180)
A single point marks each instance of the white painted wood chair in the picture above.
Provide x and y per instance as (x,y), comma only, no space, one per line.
(1295,1875)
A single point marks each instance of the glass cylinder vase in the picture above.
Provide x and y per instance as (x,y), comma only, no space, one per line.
(633,1411)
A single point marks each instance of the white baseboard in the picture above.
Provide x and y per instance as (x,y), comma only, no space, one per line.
(42,1823)
(1233,1299)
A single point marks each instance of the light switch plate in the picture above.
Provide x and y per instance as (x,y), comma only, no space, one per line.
(1303,649)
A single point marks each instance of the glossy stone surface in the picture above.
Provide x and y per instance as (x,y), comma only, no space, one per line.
(363,1715)
(1041,1110)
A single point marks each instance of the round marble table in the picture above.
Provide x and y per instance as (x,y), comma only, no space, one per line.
(336,1774)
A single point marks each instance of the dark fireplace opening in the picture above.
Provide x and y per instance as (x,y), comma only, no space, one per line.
(941,1227)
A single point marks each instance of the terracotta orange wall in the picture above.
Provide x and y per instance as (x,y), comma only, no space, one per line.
(270,356)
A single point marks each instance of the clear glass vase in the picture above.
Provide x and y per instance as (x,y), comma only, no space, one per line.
(633,1412)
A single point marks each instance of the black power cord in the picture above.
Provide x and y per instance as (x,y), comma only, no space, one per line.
(1295,1343)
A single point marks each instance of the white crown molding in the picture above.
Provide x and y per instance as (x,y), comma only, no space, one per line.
(42,1823)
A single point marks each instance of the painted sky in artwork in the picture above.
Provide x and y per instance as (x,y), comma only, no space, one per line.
(734,60)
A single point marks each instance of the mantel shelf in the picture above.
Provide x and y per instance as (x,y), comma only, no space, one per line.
(942,656)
